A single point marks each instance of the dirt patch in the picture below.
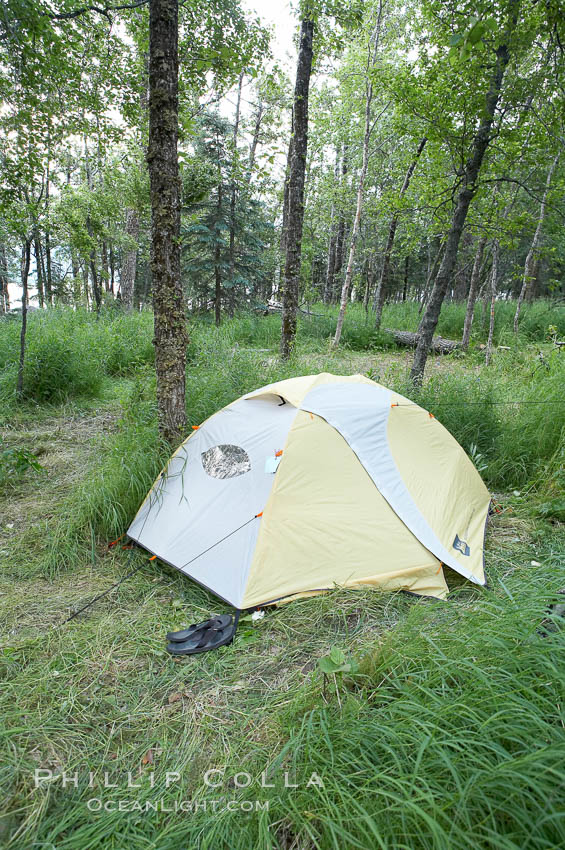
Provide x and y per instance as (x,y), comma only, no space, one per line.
(64,446)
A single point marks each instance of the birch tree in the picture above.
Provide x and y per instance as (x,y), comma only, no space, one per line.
(531,258)
(467,189)
(473,292)
(383,279)
(493,290)
(372,50)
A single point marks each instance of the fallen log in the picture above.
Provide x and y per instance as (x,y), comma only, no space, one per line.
(439,345)
(277,308)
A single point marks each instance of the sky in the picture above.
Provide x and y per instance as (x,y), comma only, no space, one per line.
(278,15)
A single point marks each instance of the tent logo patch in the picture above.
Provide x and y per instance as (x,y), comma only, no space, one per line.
(461,546)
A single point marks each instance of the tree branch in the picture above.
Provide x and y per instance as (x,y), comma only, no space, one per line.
(101,10)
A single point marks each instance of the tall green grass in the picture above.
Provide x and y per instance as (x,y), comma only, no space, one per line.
(449,738)
(105,502)
(513,413)
(68,352)
(359,334)
(536,318)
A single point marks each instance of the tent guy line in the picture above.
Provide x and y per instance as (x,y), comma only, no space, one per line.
(105,592)
(217,543)
(136,570)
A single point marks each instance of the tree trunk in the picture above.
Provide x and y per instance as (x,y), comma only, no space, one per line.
(369,286)
(218,290)
(286,191)
(439,344)
(217,266)
(4,296)
(536,281)
(85,284)
(341,242)
(295,210)
(48,275)
(26,253)
(473,290)
(92,257)
(255,139)
(372,49)
(462,281)
(104,265)
(162,159)
(405,286)
(74,259)
(530,263)
(92,261)
(330,264)
(383,279)
(38,268)
(233,195)
(104,276)
(433,265)
(337,240)
(347,282)
(330,267)
(111,262)
(76,272)
(464,198)
(493,282)
(127,277)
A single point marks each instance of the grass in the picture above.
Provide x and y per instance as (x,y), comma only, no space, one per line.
(450,735)
(69,352)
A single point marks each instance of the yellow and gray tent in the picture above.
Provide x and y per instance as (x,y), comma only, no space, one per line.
(316,482)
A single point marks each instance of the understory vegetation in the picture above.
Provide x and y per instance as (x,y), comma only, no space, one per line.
(448,732)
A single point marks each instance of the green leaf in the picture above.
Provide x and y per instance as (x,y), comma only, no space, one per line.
(337,655)
(336,662)
(476,33)
(327,666)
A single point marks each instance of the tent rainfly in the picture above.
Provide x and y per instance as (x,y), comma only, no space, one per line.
(314,482)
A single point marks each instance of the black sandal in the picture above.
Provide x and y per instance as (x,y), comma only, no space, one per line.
(204,641)
(213,623)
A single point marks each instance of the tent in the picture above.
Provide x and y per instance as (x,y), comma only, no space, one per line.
(314,482)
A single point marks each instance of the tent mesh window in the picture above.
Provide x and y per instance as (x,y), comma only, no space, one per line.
(225,461)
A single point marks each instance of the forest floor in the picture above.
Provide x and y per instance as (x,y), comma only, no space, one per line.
(100,695)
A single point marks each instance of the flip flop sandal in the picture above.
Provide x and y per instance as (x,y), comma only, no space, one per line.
(213,623)
(204,641)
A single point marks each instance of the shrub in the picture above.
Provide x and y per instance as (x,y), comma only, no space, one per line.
(68,352)
(56,367)
(125,343)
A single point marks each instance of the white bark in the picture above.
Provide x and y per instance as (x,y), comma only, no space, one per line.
(530,263)
(493,287)
(371,58)
(127,277)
